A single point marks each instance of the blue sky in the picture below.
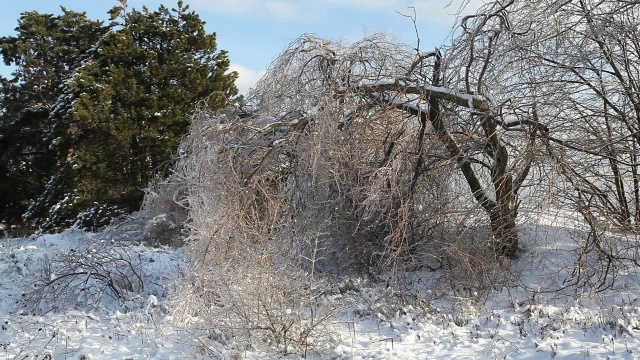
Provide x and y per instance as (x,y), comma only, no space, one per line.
(255,31)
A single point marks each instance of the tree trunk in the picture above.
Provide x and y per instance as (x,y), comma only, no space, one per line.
(504,231)
(502,213)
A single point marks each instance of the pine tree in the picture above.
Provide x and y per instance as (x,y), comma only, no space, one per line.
(127,107)
(44,51)
(94,111)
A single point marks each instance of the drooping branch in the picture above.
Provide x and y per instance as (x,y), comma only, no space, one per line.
(426,91)
(452,147)
(434,112)
(296,126)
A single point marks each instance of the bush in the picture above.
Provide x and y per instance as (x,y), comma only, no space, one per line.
(165,209)
(83,277)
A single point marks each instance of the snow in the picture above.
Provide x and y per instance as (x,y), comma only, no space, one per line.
(111,330)
(529,319)
(456,96)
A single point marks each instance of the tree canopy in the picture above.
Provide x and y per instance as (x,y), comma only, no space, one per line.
(44,52)
(110,104)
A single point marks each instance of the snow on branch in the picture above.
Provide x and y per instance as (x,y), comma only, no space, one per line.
(457,97)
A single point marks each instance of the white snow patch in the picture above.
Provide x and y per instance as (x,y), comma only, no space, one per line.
(530,319)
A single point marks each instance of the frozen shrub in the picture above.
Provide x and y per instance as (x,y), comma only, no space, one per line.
(82,278)
(165,209)
(326,175)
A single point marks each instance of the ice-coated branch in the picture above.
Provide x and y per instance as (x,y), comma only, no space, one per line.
(441,93)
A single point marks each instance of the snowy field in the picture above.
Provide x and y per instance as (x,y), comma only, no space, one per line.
(86,315)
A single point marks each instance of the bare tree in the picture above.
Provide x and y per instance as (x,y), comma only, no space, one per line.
(599,62)
(381,119)
(567,70)
(592,58)
(573,65)
(346,156)
(449,95)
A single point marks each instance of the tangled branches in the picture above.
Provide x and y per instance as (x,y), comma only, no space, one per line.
(81,278)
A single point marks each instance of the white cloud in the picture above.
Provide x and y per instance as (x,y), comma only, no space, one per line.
(247,78)
(439,11)
(227,6)
(365,4)
(281,9)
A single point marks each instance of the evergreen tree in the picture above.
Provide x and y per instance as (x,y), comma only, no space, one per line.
(43,52)
(123,108)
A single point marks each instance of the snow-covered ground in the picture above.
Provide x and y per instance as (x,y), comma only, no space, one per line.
(110,329)
(539,316)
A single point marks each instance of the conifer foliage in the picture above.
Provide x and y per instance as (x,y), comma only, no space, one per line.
(44,51)
(117,113)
